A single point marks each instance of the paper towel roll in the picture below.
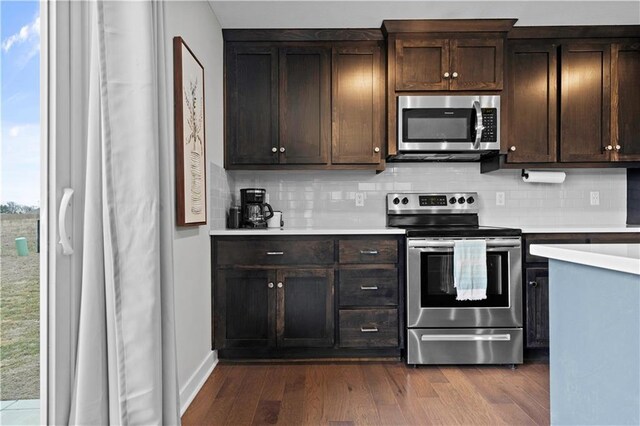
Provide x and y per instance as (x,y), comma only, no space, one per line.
(543,177)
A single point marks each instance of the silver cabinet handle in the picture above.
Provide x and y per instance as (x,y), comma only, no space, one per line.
(376,149)
(280,285)
(369,329)
(274,149)
(62,222)
(533,283)
(479,126)
(618,147)
(368,287)
(369,252)
(454,75)
(446,74)
(465,337)
(275,253)
(608,148)
(270,285)
(282,149)
(512,148)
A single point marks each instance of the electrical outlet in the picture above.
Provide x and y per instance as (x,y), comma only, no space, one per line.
(595,198)
(359,199)
(499,198)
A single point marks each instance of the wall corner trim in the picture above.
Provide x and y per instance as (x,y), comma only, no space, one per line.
(189,391)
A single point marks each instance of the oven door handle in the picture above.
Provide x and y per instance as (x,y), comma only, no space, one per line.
(479,126)
(465,337)
(450,244)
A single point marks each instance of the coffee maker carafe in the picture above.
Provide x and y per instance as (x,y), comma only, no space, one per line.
(255,212)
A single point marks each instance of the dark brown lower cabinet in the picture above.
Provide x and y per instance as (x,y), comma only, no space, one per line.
(305,308)
(246,308)
(307,296)
(537,307)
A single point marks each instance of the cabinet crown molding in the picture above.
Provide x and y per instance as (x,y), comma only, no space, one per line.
(447,25)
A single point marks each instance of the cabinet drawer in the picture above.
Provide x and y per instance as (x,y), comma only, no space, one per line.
(368,251)
(368,287)
(368,328)
(275,252)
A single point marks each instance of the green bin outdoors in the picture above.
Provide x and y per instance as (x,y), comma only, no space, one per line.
(21,246)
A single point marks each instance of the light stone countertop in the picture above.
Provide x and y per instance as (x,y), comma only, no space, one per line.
(616,257)
(306,231)
(583,229)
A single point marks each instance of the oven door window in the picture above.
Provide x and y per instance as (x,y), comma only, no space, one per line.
(438,125)
(436,281)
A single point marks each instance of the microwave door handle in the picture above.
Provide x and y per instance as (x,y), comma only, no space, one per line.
(479,126)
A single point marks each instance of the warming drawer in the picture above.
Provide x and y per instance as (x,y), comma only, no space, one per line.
(464,346)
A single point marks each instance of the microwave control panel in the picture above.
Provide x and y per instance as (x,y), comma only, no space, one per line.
(490,123)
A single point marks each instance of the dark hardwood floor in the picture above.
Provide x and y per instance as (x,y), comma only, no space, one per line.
(371,393)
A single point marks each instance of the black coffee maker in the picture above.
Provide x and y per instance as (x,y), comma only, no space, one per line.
(255,212)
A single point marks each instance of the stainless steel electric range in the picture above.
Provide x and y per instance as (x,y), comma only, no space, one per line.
(441,329)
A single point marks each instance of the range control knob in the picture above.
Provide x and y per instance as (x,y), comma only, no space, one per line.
(461,200)
(470,200)
(396,200)
(452,200)
(405,200)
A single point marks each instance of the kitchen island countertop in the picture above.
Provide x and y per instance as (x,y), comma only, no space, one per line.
(579,229)
(616,257)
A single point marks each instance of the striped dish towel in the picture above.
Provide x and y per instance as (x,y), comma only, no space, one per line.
(470,269)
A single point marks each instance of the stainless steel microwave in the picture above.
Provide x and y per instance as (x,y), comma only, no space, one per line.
(462,128)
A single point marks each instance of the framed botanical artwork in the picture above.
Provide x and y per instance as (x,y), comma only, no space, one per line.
(188,100)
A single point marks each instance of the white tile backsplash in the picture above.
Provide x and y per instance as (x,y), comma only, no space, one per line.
(327,198)
(221,188)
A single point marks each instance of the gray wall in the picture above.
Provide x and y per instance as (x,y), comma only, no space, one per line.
(196,23)
(327,199)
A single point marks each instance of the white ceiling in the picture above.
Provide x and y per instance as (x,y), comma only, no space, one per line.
(370,14)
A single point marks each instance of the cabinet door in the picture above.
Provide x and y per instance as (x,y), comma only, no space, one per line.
(245,306)
(252,105)
(537,307)
(532,90)
(422,64)
(585,104)
(625,60)
(305,105)
(477,64)
(358,113)
(305,308)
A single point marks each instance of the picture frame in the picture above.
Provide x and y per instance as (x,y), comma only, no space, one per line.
(190,136)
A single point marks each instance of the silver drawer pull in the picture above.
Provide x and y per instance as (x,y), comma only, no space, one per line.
(370,252)
(368,287)
(369,329)
(465,337)
(275,253)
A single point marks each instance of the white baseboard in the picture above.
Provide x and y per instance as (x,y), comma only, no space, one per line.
(196,381)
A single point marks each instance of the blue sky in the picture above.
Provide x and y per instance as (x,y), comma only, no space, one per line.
(20,98)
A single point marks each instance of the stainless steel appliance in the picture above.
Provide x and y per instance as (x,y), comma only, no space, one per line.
(255,211)
(448,128)
(441,329)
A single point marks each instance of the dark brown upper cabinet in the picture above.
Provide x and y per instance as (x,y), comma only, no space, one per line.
(304,99)
(585,104)
(438,64)
(358,105)
(305,105)
(532,85)
(251,112)
(625,88)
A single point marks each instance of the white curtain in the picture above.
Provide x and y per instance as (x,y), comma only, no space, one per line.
(126,356)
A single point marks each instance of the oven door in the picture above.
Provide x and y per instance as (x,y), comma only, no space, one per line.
(431,296)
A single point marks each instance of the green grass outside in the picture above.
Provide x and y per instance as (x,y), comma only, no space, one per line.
(19,310)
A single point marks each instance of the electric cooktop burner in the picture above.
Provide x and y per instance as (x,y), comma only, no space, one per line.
(440,215)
